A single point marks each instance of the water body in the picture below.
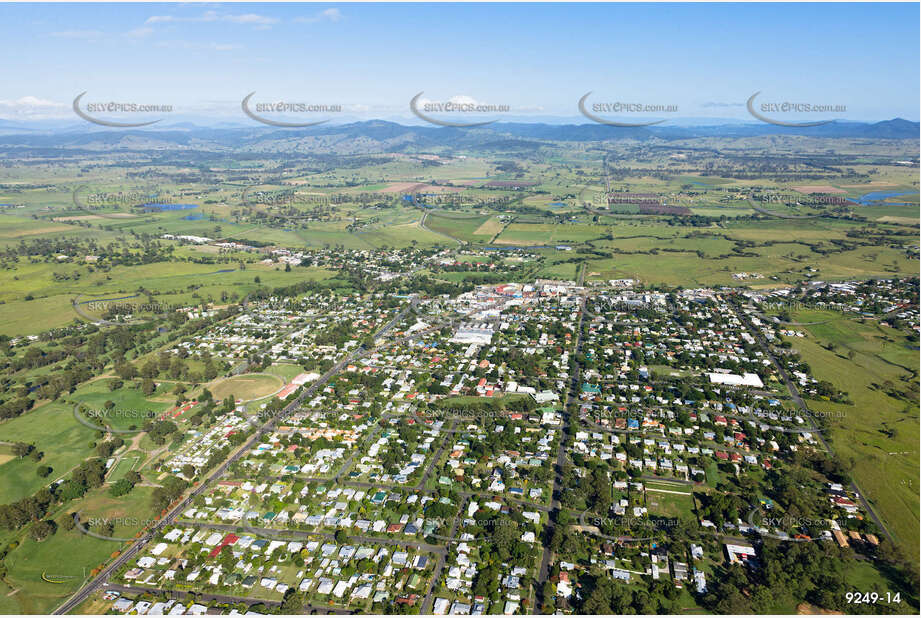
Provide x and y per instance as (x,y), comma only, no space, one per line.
(877,196)
(155,206)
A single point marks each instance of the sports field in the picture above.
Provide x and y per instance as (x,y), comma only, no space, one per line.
(247,387)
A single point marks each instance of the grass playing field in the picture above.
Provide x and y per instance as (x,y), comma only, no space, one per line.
(247,387)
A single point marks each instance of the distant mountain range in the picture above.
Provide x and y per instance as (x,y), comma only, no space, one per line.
(380,135)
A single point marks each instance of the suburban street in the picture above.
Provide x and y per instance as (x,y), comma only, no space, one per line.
(131,552)
(555,506)
(807,415)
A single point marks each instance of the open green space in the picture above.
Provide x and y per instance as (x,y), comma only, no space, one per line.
(877,436)
(62,441)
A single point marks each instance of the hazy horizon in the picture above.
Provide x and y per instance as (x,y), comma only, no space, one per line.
(701,61)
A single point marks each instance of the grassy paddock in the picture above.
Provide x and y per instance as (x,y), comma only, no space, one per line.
(879,434)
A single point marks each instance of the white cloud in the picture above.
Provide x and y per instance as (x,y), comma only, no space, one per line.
(160,19)
(252,19)
(30,107)
(332,15)
(462,99)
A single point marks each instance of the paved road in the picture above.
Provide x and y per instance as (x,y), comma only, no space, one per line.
(220,598)
(397,487)
(485,494)
(544,570)
(347,464)
(439,566)
(81,595)
(428,469)
(299,535)
(711,444)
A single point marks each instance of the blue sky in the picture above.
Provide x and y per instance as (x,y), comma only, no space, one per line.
(538,59)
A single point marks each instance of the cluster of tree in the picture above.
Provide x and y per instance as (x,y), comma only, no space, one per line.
(159,430)
(793,573)
(86,476)
(170,489)
(425,285)
(606,596)
(720,507)
(15,406)
(78,354)
(123,486)
(173,367)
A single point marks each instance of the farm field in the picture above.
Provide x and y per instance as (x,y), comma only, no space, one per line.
(527,234)
(463,228)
